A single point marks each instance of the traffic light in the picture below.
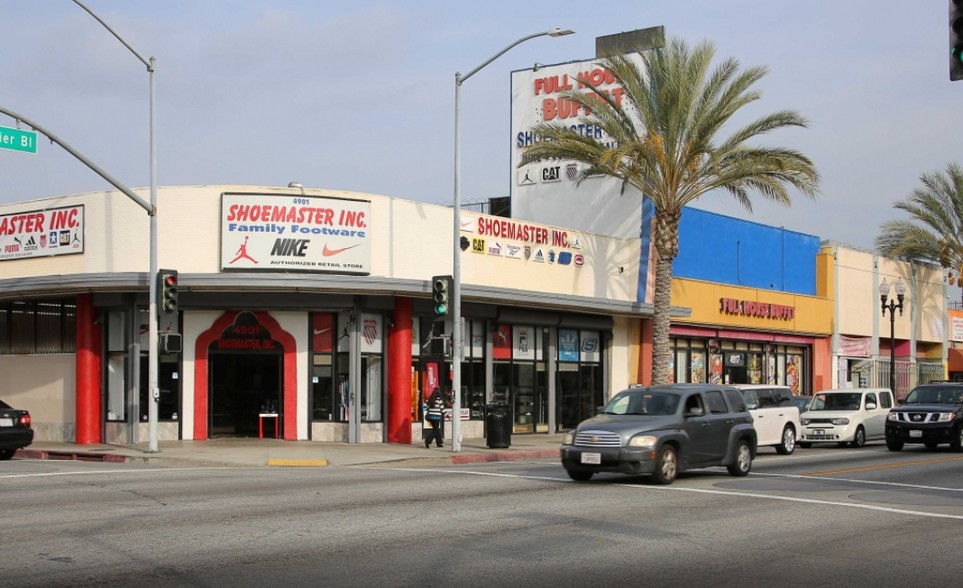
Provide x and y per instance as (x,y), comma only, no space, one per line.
(956,40)
(167,291)
(441,287)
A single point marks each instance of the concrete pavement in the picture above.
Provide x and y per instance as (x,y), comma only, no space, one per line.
(250,452)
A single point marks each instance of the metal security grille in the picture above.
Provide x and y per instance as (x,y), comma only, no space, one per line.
(29,327)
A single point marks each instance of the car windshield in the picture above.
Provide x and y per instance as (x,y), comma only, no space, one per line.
(639,402)
(837,401)
(936,395)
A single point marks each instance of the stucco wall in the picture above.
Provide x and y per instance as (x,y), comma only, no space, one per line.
(46,386)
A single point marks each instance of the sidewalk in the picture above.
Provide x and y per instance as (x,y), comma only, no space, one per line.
(250,452)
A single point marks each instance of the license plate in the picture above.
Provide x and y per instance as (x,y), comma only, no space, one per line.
(818,431)
(592,458)
(916,433)
(6,422)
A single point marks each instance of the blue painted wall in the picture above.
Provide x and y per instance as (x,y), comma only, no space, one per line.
(728,250)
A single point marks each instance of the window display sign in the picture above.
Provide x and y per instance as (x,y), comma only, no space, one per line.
(567,345)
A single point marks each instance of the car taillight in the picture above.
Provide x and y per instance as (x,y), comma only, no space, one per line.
(24,420)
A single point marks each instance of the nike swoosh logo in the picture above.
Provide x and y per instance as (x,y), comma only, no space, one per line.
(329,252)
(319,331)
(466,224)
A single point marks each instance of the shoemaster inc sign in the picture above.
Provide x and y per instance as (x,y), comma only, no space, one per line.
(261,232)
(42,233)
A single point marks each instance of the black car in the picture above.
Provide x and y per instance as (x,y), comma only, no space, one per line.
(802,402)
(663,430)
(932,414)
(15,430)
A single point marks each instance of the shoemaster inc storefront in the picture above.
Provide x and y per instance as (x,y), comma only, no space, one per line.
(308,316)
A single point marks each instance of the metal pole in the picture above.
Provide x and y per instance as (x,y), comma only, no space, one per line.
(456,329)
(153,334)
(892,348)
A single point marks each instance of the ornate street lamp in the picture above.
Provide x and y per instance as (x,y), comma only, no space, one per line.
(892,306)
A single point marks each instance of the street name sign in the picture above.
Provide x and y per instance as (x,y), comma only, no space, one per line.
(18,140)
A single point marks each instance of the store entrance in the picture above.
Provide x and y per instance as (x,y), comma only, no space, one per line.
(242,386)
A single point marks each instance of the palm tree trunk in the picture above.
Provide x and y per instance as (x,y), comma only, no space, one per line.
(661,351)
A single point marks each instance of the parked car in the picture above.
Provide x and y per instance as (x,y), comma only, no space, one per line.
(846,416)
(15,430)
(774,415)
(932,414)
(802,402)
(663,430)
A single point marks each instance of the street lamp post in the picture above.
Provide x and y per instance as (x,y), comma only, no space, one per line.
(892,306)
(153,334)
(456,329)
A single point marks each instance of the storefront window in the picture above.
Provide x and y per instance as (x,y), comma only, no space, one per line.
(324,405)
(116,401)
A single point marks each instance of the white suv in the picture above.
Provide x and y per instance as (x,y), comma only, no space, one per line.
(847,415)
(774,415)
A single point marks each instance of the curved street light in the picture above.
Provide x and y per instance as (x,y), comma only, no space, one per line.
(456,330)
(152,361)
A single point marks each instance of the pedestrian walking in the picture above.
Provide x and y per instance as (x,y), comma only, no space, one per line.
(435,416)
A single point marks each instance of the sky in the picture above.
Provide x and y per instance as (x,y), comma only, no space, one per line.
(359,95)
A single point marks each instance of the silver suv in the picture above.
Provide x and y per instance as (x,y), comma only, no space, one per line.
(663,430)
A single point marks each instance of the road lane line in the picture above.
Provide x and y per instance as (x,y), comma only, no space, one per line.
(753,495)
(884,466)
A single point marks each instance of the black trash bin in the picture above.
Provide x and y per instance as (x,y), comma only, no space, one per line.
(498,425)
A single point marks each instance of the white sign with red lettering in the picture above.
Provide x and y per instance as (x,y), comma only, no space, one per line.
(547,190)
(264,232)
(42,233)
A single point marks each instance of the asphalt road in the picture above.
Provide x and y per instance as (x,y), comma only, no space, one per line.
(821,517)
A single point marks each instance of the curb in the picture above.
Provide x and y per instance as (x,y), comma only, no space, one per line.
(70,456)
(520,455)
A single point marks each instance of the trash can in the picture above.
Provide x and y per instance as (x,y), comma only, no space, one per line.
(498,425)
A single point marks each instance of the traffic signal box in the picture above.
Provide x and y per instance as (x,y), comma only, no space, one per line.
(167,291)
(956,40)
(441,287)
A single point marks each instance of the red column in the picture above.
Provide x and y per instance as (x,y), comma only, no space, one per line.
(399,373)
(88,405)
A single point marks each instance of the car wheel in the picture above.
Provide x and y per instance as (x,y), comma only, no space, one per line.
(805,445)
(666,465)
(579,476)
(788,444)
(859,439)
(743,461)
(957,443)
(894,445)
(6,454)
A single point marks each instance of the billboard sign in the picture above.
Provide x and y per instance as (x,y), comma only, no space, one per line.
(546,190)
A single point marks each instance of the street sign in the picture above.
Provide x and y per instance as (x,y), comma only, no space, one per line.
(18,140)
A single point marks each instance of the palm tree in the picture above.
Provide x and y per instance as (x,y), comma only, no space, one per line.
(934,232)
(664,142)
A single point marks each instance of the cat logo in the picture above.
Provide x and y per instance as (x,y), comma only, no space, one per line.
(551,174)
(477,245)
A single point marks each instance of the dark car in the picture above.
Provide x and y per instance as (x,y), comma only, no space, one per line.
(663,430)
(15,430)
(802,402)
(932,414)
